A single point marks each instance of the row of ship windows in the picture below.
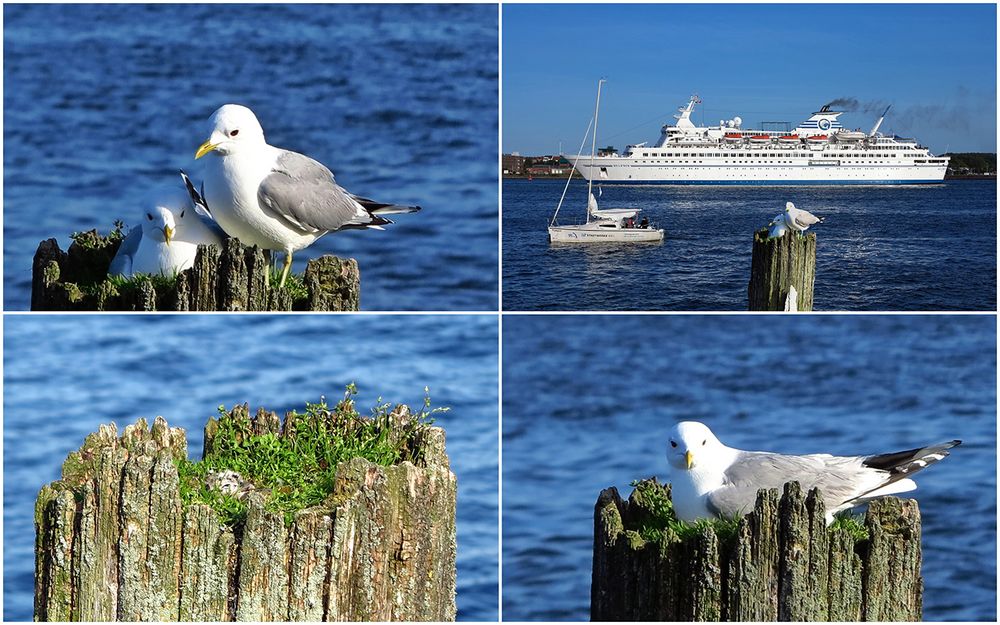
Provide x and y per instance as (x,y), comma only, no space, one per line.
(759,155)
(782,169)
(770,162)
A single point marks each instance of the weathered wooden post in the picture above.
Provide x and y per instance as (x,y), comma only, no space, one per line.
(121,537)
(780,562)
(235,277)
(779,265)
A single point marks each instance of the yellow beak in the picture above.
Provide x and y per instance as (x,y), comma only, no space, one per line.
(689,457)
(168,233)
(205,148)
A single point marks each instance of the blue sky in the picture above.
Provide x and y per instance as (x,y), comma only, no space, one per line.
(935,63)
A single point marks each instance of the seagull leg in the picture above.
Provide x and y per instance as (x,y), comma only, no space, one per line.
(286,269)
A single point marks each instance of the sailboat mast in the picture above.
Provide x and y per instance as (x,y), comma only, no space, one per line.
(593,147)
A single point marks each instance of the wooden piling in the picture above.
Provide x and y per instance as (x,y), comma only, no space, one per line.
(781,563)
(233,278)
(779,265)
(114,541)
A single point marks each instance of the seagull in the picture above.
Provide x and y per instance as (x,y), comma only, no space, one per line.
(713,480)
(799,220)
(777,226)
(274,198)
(167,240)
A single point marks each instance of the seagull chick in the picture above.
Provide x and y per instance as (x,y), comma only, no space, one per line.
(712,480)
(798,219)
(166,241)
(274,198)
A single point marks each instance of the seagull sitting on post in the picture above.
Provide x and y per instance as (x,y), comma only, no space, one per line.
(709,479)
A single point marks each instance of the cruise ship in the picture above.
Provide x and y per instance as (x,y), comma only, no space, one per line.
(819,151)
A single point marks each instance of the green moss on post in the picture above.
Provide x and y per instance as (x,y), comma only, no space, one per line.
(233,278)
(779,264)
(116,540)
(782,563)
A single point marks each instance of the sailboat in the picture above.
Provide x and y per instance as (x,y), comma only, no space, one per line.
(602,225)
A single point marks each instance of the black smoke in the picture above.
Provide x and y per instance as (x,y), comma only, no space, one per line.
(955,116)
(854,105)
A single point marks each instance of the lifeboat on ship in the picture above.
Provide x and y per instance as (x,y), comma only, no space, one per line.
(817,139)
(850,135)
(760,139)
(788,139)
(733,137)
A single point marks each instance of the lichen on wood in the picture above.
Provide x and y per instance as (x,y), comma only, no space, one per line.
(115,539)
(779,264)
(231,278)
(781,563)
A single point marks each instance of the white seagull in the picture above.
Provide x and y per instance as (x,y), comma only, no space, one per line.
(777,227)
(167,239)
(799,220)
(709,479)
(274,198)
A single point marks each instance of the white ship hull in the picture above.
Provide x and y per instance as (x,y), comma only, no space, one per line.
(819,151)
(587,233)
(632,171)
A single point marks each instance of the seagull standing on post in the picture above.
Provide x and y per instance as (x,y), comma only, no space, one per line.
(799,220)
(273,198)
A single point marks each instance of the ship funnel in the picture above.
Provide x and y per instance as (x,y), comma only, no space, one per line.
(879,122)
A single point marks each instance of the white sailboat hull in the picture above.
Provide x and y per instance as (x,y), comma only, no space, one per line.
(587,233)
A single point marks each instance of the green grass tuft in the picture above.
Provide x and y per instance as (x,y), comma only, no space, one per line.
(91,240)
(659,520)
(294,284)
(297,469)
(853,524)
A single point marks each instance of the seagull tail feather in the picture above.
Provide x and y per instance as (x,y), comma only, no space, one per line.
(381,208)
(901,465)
(912,460)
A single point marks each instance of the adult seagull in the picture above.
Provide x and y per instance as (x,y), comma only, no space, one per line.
(274,198)
(799,220)
(710,479)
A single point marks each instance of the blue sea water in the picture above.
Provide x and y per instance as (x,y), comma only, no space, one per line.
(881,248)
(104,103)
(588,402)
(65,375)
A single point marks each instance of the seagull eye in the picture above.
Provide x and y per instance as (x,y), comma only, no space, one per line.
(149,216)
(673,444)
(703,442)
(182,214)
(233,133)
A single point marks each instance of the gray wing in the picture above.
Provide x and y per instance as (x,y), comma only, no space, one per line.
(840,479)
(121,264)
(804,219)
(303,193)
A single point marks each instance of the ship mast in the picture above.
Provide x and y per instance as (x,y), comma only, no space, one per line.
(593,147)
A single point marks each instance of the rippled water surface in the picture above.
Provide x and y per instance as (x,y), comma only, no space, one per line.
(882,248)
(103,104)
(63,376)
(588,402)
